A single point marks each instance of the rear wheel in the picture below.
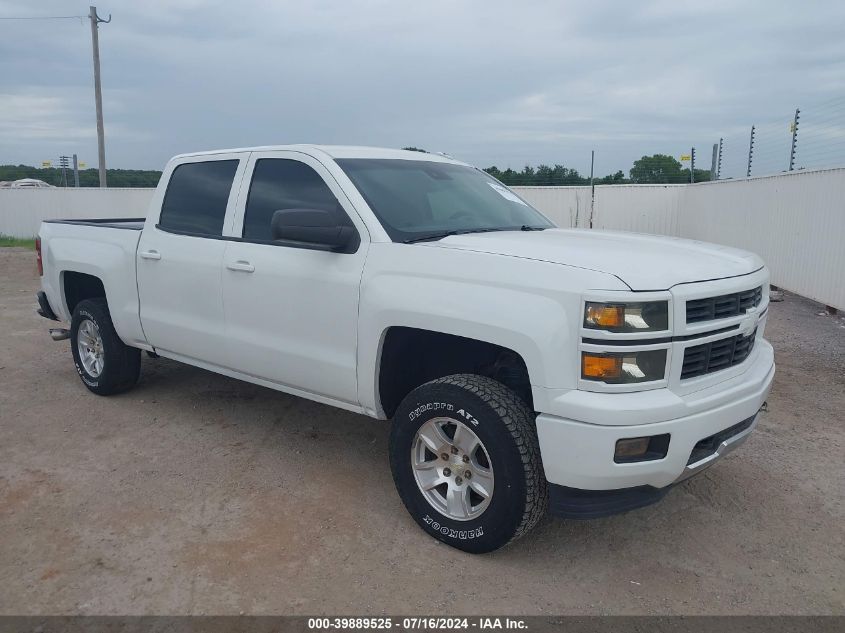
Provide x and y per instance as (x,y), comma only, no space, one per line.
(466,462)
(105,364)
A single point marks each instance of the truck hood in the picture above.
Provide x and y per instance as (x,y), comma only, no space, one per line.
(643,262)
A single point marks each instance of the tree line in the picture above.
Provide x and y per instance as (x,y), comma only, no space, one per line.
(655,169)
(87,177)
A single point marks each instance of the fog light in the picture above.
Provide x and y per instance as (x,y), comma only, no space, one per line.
(641,449)
(632,447)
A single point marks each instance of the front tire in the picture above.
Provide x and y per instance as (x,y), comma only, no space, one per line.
(466,462)
(105,364)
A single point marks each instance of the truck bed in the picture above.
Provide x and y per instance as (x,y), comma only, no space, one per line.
(104,248)
(132,224)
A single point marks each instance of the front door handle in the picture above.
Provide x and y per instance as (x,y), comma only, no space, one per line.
(241,266)
(150,255)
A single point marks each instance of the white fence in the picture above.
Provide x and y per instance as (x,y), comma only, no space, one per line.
(795,221)
(21,210)
(640,208)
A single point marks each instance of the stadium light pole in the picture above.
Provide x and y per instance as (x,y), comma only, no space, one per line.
(98,96)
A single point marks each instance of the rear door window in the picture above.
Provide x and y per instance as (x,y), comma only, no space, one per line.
(197,196)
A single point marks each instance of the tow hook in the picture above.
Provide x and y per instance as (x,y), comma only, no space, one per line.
(765,406)
(59,333)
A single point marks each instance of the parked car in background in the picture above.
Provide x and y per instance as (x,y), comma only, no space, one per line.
(24,183)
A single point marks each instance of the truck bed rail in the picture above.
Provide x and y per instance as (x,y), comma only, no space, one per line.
(132,224)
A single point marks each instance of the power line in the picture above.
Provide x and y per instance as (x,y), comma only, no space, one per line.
(47,17)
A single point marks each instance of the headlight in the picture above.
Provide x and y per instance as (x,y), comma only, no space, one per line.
(627,317)
(624,367)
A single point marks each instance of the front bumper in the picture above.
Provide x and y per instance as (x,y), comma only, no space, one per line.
(579,455)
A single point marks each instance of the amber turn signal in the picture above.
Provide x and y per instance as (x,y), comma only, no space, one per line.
(604,315)
(598,366)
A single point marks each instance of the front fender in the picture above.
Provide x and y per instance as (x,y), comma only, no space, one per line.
(527,306)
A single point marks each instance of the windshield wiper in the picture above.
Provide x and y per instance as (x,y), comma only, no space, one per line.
(442,234)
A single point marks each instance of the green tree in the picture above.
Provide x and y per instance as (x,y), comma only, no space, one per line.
(613,179)
(663,169)
(700,175)
(539,176)
(658,168)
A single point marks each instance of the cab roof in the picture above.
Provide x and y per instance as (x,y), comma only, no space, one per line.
(335,151)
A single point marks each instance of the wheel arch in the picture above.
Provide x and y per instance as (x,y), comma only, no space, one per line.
(77,286)
(409,357)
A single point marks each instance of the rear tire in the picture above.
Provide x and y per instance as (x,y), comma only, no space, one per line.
(466,462)
(105,364)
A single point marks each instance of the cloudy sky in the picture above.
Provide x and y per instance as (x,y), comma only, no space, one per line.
(490,82)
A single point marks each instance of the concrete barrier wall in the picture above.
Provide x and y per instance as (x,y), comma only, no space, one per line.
(795,221)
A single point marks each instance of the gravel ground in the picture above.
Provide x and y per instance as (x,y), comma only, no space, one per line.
(195,493)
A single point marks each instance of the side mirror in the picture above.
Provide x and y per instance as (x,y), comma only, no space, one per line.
(319,228)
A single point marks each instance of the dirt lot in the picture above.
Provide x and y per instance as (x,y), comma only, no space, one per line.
(195,494)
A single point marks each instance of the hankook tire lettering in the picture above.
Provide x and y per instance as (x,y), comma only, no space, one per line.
(462,535)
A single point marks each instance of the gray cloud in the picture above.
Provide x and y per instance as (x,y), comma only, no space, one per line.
(489,82)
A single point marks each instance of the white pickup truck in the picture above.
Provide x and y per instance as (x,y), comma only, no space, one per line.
(524,367)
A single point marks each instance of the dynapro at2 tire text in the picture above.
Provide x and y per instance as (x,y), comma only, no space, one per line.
(500,421)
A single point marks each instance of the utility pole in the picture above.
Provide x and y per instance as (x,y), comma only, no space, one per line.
(794,140)
(592,186)
(750,153)
(75,172)
(98,96)
(63,163)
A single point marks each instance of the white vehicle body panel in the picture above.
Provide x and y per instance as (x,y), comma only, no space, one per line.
(313,323)
(291,314)
(106,253)
(644,262)
(179,281)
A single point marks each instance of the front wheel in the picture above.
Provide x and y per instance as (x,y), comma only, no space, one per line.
(466,462)
(105,363)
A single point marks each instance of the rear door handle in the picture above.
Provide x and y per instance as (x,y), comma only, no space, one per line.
(150,255)
(241,266)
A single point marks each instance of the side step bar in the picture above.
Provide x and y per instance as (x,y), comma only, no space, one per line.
(59,333)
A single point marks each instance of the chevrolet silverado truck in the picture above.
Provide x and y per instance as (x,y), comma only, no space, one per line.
(525,368)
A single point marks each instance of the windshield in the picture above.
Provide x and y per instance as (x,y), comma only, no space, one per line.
(418,199)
